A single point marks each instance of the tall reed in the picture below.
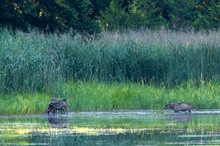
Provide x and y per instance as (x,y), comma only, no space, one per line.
(36,61)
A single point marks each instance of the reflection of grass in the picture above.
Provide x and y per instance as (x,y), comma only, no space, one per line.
(20,130)
(36,130)
(197,121)
(99,96)
(190,128)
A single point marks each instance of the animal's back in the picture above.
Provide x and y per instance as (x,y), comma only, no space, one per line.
(182,106)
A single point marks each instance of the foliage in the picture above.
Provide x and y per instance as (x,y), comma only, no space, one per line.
(171,14)
(50,15)
(115,16)
(88,16)
(207,14)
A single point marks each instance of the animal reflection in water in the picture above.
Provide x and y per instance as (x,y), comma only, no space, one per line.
(57,106)
(181,117)
(58,121)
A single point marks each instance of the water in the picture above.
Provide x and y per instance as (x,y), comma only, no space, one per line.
(113,128)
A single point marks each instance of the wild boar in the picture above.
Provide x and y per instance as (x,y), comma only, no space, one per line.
(181,106)
(57,106)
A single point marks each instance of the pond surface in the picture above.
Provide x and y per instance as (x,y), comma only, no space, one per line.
(142,127)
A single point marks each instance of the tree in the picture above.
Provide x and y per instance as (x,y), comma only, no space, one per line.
(114,17)
(99,6)
(154,14)
(207,15)
(11,15)
(49,15)
(147,13)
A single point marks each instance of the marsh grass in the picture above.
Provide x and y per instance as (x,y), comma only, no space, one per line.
(23,103)
(129,70)
(34,62)
(100,96)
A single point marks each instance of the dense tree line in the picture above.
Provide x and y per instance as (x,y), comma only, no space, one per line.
(93,15)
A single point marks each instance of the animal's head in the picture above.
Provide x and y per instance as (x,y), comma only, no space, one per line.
(169,106)
(53,99)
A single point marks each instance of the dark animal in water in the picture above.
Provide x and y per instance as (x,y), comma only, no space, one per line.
(181,106)
(57,106)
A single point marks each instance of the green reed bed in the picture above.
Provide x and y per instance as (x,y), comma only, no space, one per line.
(130,70)
(99,96)
(34,61)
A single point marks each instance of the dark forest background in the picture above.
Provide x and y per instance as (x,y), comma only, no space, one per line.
(92,16)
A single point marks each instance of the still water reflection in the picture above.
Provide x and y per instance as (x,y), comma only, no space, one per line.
(112,128)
